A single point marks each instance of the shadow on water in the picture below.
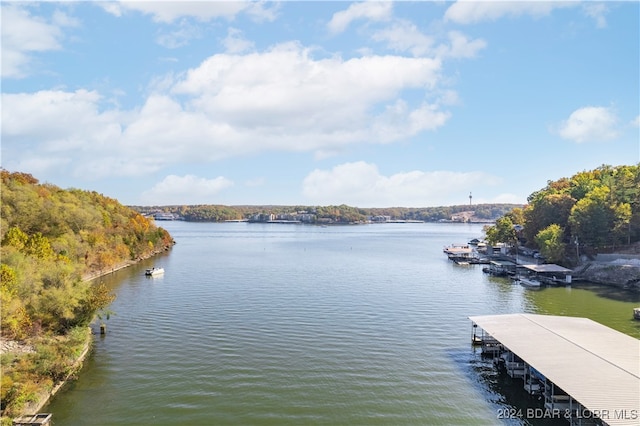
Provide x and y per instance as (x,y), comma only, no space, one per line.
(508,399)
(611,292)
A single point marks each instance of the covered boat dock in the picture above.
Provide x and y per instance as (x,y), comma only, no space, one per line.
(587,373)
(550,273)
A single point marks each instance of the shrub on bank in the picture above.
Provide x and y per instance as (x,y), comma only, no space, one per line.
(29,377)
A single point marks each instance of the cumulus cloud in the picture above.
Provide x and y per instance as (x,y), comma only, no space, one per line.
(292,101)
(52,127)
(361,184)
(231,105)
(24,35)
(371,10)
(589,124)
(182,20)
(469,12)
(188,189)
(169,11)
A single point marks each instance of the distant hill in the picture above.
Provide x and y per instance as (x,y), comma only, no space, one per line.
(331,214)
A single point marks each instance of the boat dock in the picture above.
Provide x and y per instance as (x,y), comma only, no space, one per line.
(587,373)
(464,254)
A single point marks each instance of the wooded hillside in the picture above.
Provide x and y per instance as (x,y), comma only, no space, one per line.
(51,239)
(589,212)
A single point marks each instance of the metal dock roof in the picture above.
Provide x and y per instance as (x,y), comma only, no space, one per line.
(547,267)
(598,366)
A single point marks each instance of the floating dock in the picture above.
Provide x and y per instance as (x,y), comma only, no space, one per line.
(588,373)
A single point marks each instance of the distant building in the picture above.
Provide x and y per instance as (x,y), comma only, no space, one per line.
(380,219)
(165,216)
(462,216)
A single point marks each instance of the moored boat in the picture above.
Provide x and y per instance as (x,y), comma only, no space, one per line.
(528,282)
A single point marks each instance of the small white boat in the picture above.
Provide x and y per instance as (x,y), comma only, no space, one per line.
(154,271)
(528,282)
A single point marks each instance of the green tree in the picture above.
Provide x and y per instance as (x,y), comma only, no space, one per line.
(592,218)
(548,209)
(550,242)
(502,232)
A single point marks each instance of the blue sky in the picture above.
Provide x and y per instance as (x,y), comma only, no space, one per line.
(370,104)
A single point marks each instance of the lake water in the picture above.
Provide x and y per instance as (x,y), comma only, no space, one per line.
(268,324)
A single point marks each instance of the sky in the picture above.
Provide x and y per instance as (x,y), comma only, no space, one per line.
(369,104)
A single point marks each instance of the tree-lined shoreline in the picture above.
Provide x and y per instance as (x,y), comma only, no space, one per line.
(53,241)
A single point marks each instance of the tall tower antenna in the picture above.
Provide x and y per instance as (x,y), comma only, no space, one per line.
(470,197)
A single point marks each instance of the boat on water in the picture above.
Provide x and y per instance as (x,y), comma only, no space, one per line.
(154,271)
(528,282)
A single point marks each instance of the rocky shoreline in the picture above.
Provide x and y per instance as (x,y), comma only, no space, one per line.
(621,272)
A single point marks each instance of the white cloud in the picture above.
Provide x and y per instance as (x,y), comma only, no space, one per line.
(188,189)
(461,47)
(404,36)
(169,11)
(597,11)
(23,35)
(636,121)
(235,42)
(290,100)
(361,184)
(229,106)
(589,124)
(469,12)
(371,10)
(46,128)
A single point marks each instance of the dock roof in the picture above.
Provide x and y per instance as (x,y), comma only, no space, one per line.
(598,366)
(548,267)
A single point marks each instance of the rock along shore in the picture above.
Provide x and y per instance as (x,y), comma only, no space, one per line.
(619,271)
